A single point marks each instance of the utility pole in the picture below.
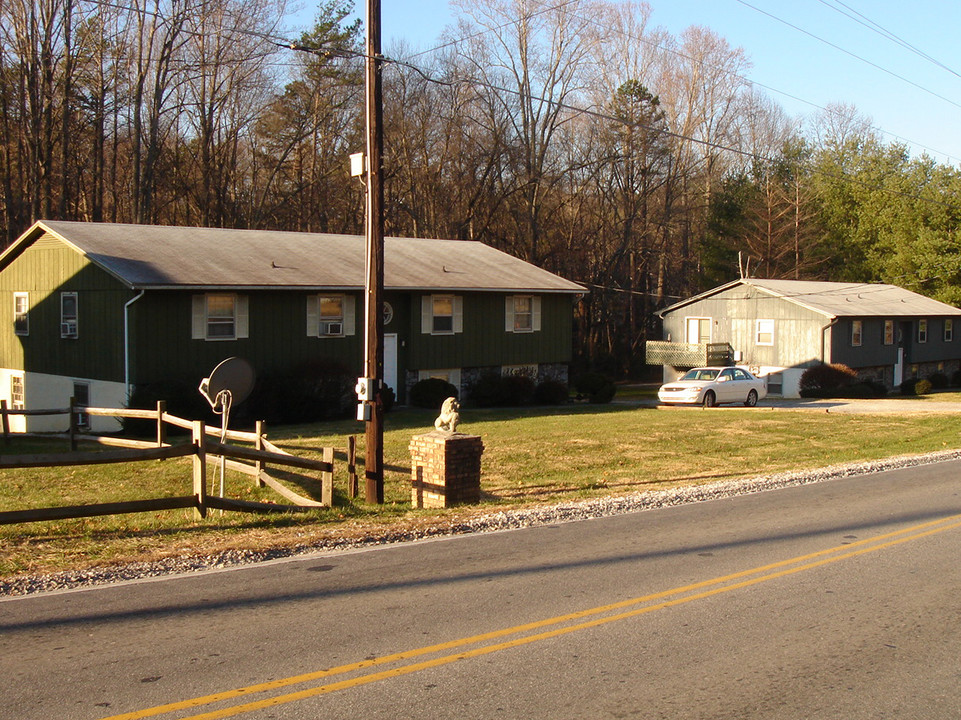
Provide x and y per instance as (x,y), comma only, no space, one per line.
(374,342)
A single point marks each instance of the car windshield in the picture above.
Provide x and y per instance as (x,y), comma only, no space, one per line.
(700,374)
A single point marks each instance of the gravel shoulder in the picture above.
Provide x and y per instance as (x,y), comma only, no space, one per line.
(468,523)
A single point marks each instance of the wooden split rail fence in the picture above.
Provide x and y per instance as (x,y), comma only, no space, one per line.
(251,461)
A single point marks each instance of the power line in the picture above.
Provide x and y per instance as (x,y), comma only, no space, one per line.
(660,48)
(848,52)
(883,32)
(709,144)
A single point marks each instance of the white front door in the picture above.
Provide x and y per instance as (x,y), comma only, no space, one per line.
(390,361)
(899,369)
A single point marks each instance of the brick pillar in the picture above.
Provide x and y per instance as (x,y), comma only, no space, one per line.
(445,469)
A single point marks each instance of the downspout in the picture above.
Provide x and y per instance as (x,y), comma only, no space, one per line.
(834,321)
(126,341)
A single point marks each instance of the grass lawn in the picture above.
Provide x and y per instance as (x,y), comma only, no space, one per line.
(531,457)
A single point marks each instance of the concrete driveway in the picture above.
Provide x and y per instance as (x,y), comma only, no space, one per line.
(894,404)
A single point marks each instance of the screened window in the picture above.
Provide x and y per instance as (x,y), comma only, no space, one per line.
(856,333)
(219,316)
(697,331)
(922,331)
(68,315)
(764,332)
(331,315)
(948,330)
(16,392)
(523,314)
(889,332)
(21,313)
(443,314)
(81,397)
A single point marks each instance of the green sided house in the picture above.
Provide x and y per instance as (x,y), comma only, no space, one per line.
(780,327)
(93,310)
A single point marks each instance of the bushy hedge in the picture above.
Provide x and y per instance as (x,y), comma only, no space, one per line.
(322,389)
(495,390)
(182,398)
(431,393)
(551,392)
(938,380)
(913,386)
(820,379)
(595,387)
(318,390)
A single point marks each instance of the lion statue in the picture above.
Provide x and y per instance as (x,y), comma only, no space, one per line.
(449,418)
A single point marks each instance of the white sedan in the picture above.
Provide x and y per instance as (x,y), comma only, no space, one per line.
(710,386)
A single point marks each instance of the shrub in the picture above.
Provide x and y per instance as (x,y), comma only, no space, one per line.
(431,393)
(938,380)
(821,380)
(182,397)
(495,390)
(907,387)
(866,389)
(595,387)
(922,387)
(388,397)
(956,378)
(551,392)
(322,389)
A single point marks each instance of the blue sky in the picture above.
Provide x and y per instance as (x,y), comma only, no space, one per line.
(800,72)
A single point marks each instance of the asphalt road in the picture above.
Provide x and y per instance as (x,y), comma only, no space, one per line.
(835,600)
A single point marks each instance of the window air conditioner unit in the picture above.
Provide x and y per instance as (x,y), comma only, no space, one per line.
(332,328)
(68,329)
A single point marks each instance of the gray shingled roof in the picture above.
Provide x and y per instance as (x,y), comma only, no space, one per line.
(834,299)
(156,257)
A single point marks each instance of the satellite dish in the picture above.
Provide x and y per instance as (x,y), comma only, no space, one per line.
(234,376)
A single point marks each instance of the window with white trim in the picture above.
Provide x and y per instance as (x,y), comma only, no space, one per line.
(68,315)
(764,332)
(889,332)
(81,398)
(857,333)
(21,313)
(219,316)
(451,375)
(442,314)
(948,330)
(522,313)
(922,331)
(331,316)
(16,392)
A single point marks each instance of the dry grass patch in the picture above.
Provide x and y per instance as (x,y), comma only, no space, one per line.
(530,457)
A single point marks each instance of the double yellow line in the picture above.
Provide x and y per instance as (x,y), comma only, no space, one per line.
(526,634)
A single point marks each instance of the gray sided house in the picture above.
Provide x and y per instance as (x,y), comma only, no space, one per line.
(780,327)
(93,310)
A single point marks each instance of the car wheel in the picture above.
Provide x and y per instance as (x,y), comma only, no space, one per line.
(710,399)
(751,398)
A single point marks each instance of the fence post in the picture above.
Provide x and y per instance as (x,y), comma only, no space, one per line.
(6,422)
(327,479)
(352,484)
(259,464)
(200,468)
(161,428)
(72,429)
